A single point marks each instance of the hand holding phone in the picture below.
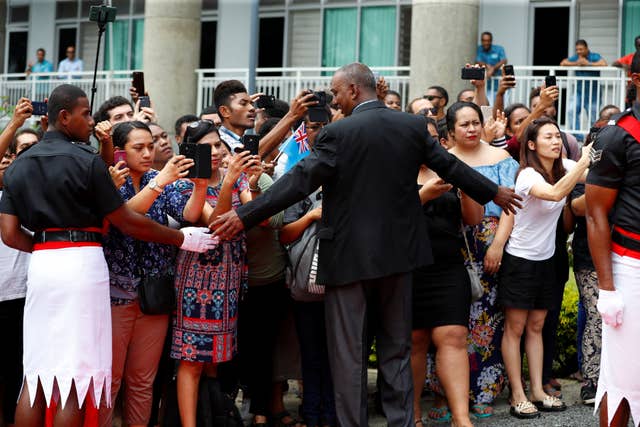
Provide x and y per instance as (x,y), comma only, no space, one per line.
(251,143)
(550,81)
(201,155)
(507,70)
(120,156)
(472,73)
(39,108)
(138,82)
(145,102)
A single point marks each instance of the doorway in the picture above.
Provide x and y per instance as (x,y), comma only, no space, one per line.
(550,35)
(271,43)
(67,36)
(17,58)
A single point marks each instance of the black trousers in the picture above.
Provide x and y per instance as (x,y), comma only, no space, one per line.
(11,319)
(259,316)
(346,308)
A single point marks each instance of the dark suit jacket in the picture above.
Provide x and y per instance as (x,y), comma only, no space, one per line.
(367,164)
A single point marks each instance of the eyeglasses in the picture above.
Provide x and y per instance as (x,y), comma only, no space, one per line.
(431,97)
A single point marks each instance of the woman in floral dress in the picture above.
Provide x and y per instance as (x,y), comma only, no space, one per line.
(208,285)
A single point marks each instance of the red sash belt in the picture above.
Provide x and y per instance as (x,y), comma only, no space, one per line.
(625,243)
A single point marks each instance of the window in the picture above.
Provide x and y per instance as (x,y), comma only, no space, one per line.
(17,61)
(66,9)
(208,44)
(123,52)
(370,39)
(18,14)
(630,25)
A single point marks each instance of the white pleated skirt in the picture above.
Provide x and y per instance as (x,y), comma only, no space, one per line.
(620,358)
(67,324)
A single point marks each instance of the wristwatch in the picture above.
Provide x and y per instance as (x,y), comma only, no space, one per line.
(153,184)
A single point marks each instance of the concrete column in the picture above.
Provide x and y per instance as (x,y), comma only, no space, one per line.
(171,54)
(42,31)
(233,40)
(443,38)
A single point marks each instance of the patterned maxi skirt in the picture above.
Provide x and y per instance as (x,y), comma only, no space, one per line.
(208,287)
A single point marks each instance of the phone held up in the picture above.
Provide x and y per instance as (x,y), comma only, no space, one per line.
(550,81)
(472,73)
(201,155)
(266,101)
(507,70)
(39,108)
(251,144)
(120,156)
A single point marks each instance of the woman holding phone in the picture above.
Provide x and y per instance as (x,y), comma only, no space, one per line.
(208,285)
(138,338)
(527,268)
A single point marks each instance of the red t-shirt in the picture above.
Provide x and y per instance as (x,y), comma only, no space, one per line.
(626,60)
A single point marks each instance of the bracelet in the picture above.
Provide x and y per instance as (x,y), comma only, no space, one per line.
(255,190)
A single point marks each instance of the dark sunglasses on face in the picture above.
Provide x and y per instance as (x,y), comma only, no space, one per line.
(431,97)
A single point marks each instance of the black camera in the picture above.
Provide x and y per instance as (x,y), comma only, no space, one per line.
(266,101)
(321,97)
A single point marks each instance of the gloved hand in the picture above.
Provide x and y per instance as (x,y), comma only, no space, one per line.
(198,239)
(610,306)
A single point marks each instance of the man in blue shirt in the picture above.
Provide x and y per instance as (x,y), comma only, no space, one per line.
(41,66)
(492,56)
(586,91)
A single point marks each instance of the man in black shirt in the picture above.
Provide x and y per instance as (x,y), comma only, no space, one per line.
(62,190)
(613,195)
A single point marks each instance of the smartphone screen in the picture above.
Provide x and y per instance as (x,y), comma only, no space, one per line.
(120,155)
(144,102)
(138,82)
(508,70)
(39,108)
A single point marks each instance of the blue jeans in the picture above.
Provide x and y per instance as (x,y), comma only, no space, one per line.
(318,405)
(586,98)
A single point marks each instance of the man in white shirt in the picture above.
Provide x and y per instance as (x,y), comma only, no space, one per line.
(70,64)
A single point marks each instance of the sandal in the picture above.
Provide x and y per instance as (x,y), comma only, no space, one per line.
(279,420)
(438,414)
(524,410)
(550,404)
(552,391)
(481,410)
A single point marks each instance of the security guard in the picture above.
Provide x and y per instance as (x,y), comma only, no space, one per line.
(613,226)
(62,191)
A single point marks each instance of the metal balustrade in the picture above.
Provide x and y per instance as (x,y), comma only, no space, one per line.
(285,83)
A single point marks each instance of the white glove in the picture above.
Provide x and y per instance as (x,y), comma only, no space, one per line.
(610,306)
(198,239)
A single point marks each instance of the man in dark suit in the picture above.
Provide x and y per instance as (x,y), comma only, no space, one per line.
(372,234)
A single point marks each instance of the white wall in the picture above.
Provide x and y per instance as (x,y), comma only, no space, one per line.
(234,30)
(508,20)
(42,31)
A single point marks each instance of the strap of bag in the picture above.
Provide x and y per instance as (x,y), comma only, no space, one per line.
(631,125)
(466,243)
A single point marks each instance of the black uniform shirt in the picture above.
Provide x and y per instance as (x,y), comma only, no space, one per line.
(619,168)
(59,184)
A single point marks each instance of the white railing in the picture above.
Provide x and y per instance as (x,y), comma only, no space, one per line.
(286,83)
(38,86)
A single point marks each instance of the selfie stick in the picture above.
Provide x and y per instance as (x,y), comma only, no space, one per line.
(100,15)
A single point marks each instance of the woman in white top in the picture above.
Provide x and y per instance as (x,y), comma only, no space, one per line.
(527,269)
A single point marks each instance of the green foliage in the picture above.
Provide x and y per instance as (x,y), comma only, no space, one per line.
(566,346)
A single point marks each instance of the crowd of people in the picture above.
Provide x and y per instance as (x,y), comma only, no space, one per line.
(438,232)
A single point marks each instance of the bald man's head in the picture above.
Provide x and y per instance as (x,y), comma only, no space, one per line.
(352,85)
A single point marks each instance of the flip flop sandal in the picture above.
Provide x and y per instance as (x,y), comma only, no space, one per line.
(550,404)
(524,410)
(481,410)
(439,414)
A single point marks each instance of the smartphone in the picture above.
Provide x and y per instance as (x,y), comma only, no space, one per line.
(550,81)
(266,101)
(321,97)
(144,101)
(201,155)
(138,82)
(118,156)
(472,73)
(251,144)
(508,70)
(39,108)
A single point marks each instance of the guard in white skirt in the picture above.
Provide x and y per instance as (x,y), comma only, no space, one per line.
(62,191)
(613,226)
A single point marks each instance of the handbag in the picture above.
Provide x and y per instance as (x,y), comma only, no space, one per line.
(156,293)
(474,276)
(302,271)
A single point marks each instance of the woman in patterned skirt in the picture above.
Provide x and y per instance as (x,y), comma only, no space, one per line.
(486,320)
(208,285)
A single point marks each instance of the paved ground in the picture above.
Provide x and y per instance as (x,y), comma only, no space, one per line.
(577,415)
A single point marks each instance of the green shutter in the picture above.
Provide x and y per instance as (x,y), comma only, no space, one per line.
(339,36)
(630,25)
(137,44)
(118,33)
(378,36)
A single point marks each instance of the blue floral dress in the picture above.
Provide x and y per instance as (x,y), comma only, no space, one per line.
(126,255)
(486,319)
(208,288)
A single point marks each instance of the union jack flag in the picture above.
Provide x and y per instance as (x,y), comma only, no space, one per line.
(301,139)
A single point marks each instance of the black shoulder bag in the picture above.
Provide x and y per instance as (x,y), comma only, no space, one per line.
(156,292)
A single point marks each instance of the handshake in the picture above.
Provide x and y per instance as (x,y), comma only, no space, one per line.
(198,239)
